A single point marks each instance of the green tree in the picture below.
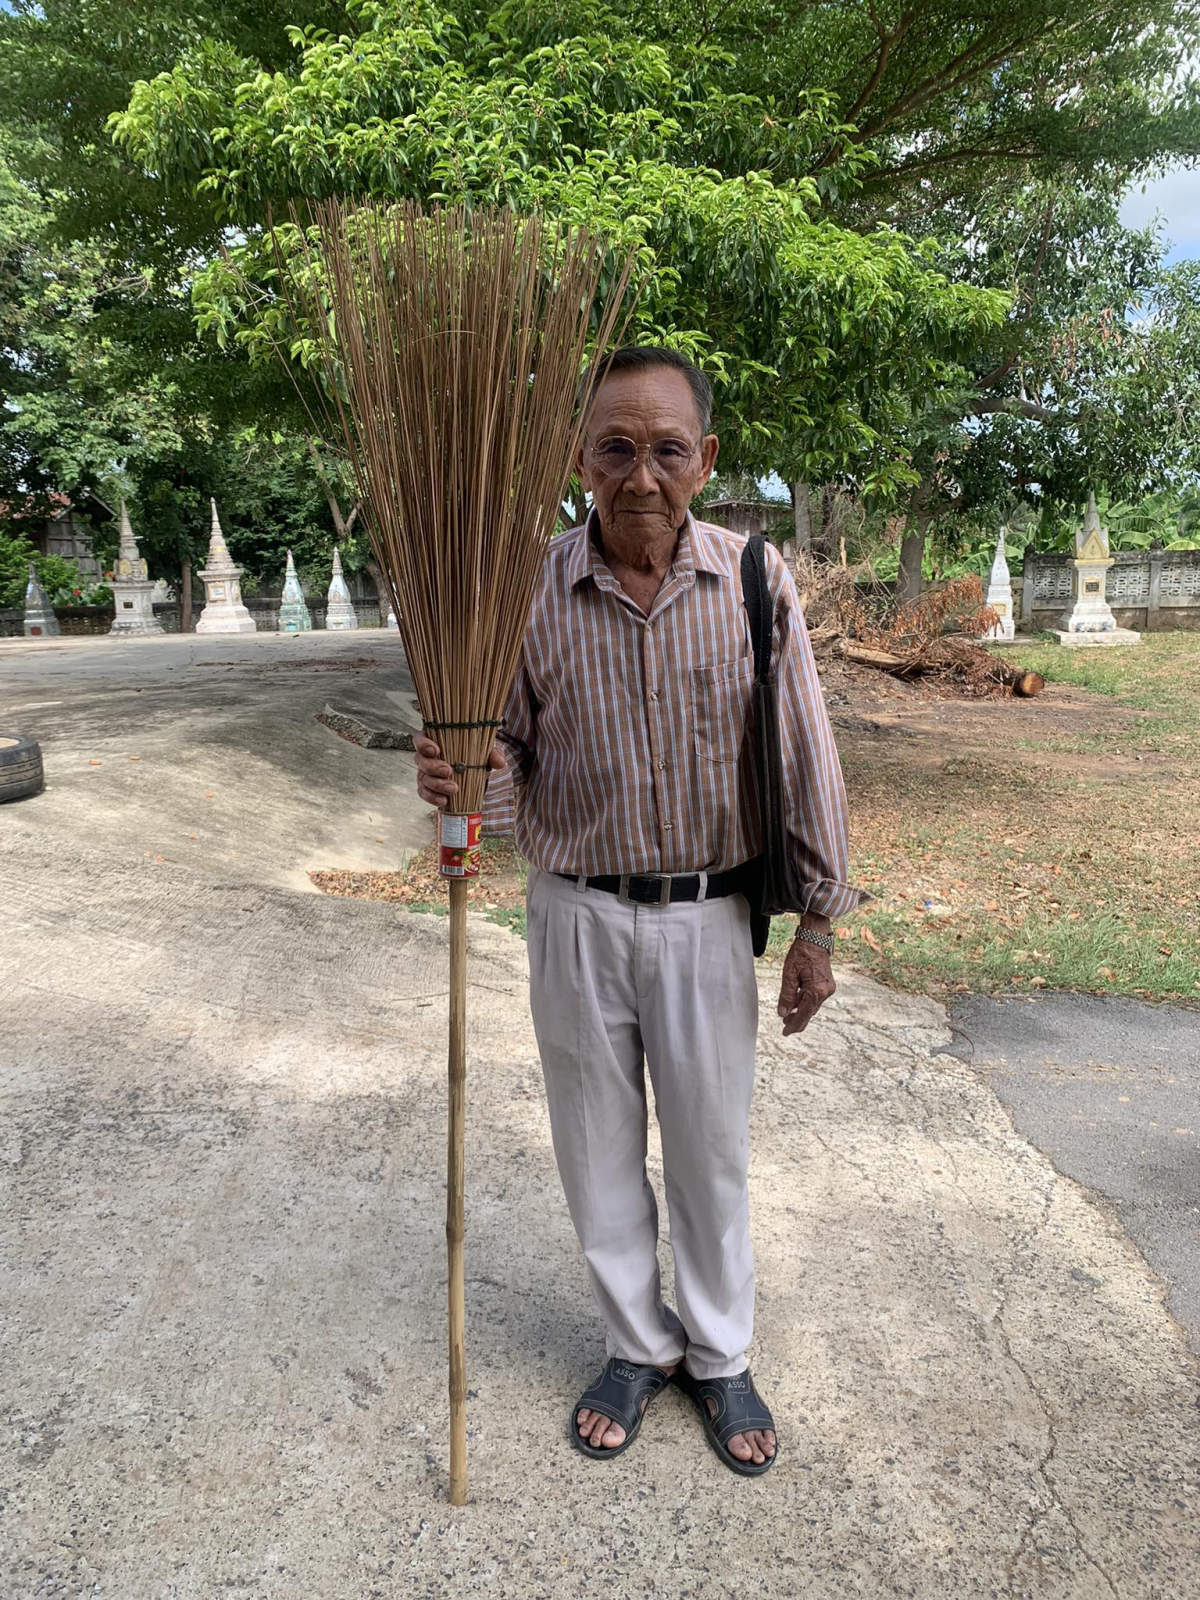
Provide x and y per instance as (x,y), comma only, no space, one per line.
(74,397)
(822,339)
(1096,386)
(752,151)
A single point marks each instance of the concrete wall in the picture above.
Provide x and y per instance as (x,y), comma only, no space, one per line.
(98,619)
(1149,590)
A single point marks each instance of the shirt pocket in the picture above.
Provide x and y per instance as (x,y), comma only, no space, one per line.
(720,707)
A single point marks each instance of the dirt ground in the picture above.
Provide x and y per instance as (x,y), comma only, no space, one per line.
(1010,844)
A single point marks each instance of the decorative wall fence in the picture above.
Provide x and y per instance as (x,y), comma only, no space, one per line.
(98,619)
(1148,590)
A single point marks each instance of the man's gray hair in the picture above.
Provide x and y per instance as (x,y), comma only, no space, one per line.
(646,357)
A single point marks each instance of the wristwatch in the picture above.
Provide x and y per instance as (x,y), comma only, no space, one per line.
(811,936)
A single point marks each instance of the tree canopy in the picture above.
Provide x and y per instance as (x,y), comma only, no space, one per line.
(822,338)
(841,209)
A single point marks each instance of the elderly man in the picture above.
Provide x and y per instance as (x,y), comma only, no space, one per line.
(622,767)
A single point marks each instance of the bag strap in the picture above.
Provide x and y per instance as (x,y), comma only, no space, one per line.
(759,609)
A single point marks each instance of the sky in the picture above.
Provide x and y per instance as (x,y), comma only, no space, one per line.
(1176,198)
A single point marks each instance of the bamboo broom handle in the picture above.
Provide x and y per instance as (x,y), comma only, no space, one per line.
(455,1168)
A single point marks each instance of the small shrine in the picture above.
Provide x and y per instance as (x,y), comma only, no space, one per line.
(133,591)
(294,615)
(1089,619)
(224,610)
(40,621)
(999,594)
(339,608)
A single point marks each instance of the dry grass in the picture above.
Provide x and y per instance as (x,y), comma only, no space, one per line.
(1033,844)
(1016,845)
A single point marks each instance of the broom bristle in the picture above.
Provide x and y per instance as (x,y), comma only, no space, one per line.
(449,345)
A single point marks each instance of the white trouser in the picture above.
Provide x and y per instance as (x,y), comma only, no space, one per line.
(611,986)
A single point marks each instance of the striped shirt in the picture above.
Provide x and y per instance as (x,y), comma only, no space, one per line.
(625,733)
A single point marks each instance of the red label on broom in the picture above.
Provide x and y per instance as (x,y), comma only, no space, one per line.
(458,844)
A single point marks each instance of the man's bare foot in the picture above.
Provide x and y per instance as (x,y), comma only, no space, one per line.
(602,1432)
(754,1446)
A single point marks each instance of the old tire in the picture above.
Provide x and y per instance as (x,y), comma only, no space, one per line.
(20,766)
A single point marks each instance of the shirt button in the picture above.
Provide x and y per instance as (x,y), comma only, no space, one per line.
(654,694)
(662,766)
(668,826)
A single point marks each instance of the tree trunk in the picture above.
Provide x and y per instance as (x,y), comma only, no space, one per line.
(342,526)
(383,590)
(802,515)
(823,521)
(1025,684)
(912,555)
(185,597)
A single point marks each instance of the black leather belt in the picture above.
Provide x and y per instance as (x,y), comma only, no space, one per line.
(663,888)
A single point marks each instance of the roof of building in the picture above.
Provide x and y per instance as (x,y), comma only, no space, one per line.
(62,505)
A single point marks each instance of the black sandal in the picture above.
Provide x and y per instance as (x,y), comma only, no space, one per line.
(740,1409)
(617,1394)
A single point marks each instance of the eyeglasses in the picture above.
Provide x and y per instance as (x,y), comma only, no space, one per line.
(617,457)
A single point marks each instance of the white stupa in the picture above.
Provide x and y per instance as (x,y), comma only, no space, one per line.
(294,615)
(1089,619)
(999,594)
(224,610)
(40,621)
(339,608)
(133,592)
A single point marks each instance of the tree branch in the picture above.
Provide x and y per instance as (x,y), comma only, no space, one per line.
(341,527)
(986,405)
(1031,294)
(942,158)
(887,42)
(953,75)
(997,373)
(944,81)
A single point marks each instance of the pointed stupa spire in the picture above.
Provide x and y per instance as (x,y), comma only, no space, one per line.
(218,550)
(339,608)
(999,594)
(133,604)
(294,615)
(128,547)
(1091,540)
(224,610)
(1000,574)
(40,621)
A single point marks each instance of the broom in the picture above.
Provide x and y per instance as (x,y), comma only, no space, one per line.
(450,343)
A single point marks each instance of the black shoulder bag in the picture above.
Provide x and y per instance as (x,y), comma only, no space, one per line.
(773,886)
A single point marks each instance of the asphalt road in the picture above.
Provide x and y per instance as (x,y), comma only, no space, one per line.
(1109,1090)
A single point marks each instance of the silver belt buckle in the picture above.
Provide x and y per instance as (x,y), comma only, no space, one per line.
(664,889)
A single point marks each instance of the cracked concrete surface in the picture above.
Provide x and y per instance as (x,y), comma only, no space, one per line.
(221,1239)
(222,1159)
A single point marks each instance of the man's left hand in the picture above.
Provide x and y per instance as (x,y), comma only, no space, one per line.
(807,983)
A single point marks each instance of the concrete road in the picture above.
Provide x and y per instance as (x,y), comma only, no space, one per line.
(221,1239)
(1109,1089)
(207,752)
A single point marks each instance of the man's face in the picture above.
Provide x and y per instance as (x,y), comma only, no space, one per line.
(646,405)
